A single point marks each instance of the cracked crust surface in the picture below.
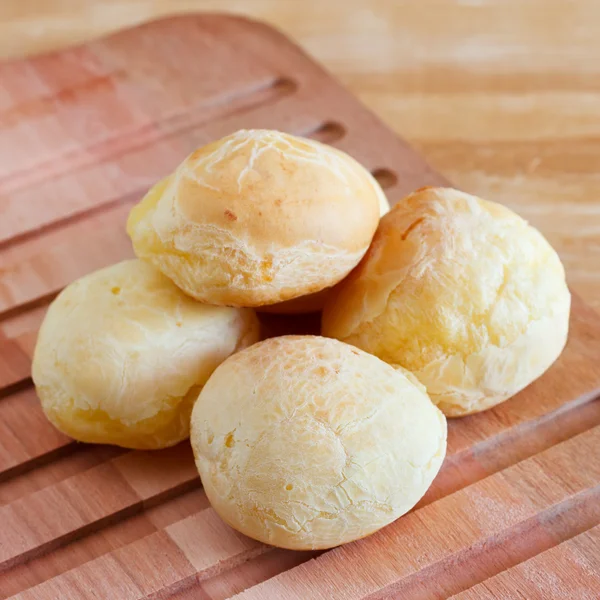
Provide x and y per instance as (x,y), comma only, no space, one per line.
(123,353)
(304,442)
(461,292)
(258,217)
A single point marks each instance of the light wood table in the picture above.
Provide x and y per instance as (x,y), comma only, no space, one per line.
(501,96)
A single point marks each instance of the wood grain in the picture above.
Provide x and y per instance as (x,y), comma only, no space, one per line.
(101,541)
(561,572)
(20,412)
(109,490)
(91,128)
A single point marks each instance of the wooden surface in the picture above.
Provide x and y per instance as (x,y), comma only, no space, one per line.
(501,96)
(83,134)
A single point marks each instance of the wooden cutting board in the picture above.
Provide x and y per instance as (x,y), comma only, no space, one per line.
(515,511)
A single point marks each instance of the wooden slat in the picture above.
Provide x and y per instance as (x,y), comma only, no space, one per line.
(222,547)
(21,413)
(418,550)
(110,489)
(128,165)
(100,542)
(245,575)
(561,572)
(23,327)
(468,466)
(17,343)
(25,523)
(196,547)
(146,568)
(40,266)
(15,364)
(85,96)
(59,468)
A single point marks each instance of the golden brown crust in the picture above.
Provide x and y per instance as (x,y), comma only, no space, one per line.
(313,303)
(460,291)
(123,353)
(304,442)
(258,217)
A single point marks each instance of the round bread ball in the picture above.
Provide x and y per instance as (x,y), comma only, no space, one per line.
(122,355)
(313,302)
(304,442)
(461,292)
(256,218)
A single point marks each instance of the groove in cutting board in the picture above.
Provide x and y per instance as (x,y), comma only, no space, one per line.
(327,133)
(488,558)
(134,82)
(561,572)
(42,266)
(98,543)
(260,93)
(21,412)
(108,491)
(178,560)
(251,572)
(53,471)
(27,205)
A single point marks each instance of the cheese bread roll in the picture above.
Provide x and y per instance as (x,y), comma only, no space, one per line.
(461,292)
(258,217)
(122,355)
(304,442)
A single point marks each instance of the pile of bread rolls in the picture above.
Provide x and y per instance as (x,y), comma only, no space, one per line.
(448,305)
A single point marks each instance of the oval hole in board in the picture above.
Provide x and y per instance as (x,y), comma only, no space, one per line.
(284,85)
(327,133)
(385,178)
